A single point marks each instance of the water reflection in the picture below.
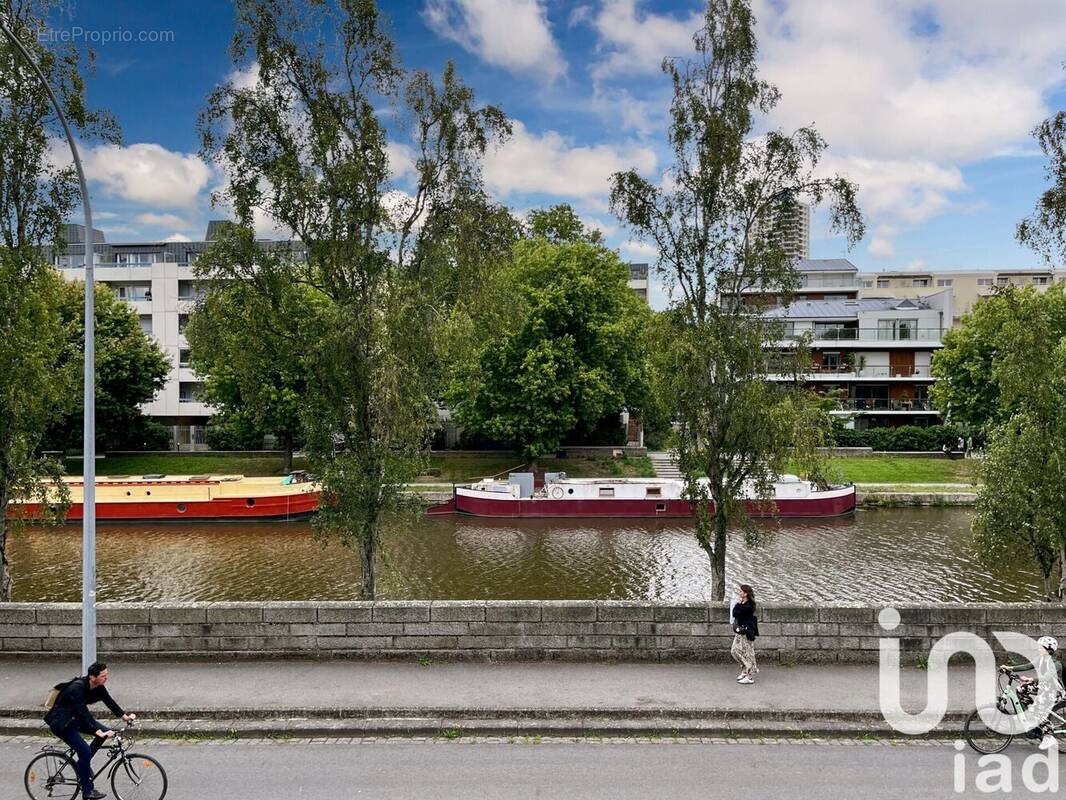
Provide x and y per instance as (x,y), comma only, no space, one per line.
(875,556)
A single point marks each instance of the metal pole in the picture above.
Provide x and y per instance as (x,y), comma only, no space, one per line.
(88,538)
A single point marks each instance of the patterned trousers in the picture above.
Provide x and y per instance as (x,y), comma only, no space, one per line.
(743,652)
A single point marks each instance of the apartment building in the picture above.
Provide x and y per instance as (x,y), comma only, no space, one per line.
(967,287)
(638,280)
(156,279)
(872,355)
(789,227)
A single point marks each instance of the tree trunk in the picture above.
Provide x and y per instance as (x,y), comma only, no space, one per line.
(5,574)
(286,442)
(1062,570)
(721,523)
(1048,594)
(368,550)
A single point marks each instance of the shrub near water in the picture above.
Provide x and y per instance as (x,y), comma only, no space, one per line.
(902,438)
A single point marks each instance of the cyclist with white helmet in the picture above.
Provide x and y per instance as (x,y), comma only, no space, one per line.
(1048,646)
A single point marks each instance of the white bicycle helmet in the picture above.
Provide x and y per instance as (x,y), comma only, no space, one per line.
(1049,643)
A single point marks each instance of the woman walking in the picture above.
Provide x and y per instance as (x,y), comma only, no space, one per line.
(745,628)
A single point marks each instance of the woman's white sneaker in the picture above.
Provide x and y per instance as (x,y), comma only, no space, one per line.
(746,679)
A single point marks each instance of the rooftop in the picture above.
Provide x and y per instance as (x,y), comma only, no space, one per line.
(844,309)
(825,265)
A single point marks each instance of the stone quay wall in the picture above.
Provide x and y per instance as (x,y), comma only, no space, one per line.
(595,630)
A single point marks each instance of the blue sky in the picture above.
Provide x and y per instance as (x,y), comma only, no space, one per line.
(928,104)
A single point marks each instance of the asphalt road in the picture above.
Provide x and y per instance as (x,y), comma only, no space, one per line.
(476,769)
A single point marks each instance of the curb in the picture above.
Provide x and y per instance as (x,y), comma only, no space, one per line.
(451,723)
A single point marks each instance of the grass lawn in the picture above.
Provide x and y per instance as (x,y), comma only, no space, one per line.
(885,469)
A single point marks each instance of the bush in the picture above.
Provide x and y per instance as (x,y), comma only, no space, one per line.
(231,436)
(904,437)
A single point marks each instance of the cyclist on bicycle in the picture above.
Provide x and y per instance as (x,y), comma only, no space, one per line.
(1048,645)
(70,717)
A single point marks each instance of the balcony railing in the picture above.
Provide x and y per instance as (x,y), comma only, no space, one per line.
(870,334)
(879,404)
(844,370)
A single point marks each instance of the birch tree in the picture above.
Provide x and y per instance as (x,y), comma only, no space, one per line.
(711,218)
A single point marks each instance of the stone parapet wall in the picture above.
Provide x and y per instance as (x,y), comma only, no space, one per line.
(595,630)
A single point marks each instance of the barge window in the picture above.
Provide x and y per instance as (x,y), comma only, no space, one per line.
(606,491)
(655,491)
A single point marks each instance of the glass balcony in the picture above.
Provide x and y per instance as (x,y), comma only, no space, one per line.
(884,404)
(870,334)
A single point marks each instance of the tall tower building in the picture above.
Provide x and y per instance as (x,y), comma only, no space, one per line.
(790,228)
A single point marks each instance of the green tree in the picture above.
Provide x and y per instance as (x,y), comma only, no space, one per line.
(1022,502)
(569,351)
(970,367)
(559,224)
(130,369)
(36,196)
(306,144)
(245,339)
(708,220)
(1045,230)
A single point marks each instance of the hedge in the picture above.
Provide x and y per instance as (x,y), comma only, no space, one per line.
(904,437)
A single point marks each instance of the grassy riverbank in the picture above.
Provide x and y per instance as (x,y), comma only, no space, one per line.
(910,471)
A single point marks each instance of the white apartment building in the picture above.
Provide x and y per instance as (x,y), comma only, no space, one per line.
(872,355)
(157,280)
(967,287)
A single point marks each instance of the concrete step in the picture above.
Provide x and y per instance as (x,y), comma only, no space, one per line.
(511,724)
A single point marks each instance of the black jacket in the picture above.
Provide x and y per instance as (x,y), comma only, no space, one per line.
(744,617)
(72,707)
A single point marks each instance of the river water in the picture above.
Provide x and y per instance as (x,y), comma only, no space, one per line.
(884,555)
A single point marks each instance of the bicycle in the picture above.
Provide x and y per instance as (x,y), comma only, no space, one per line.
(987,740)
(52,775)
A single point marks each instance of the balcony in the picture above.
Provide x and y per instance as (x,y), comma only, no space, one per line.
(845,371)
(807,282)
(883,404)
(870,334)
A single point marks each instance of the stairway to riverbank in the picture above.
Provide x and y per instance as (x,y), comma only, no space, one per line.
(665,465)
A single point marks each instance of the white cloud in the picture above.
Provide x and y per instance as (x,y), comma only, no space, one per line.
(177,237)
(551,164)
(907,92)
(881,245)
(401,160)
(639,251)
(513,34)
(636,42)
(162,220)
(145,173)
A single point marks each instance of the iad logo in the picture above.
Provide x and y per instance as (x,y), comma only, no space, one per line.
(1005,713)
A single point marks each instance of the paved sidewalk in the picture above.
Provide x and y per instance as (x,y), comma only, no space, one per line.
(268,688)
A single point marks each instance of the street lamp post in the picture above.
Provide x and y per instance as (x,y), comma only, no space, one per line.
(88,575)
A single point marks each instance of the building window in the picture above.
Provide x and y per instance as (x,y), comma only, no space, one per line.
(146,323)
(944,282)
(832,330)
(919,281)
(135,259)
(897,329)
(883,283)
(188,392)
(1040,280)
(867,284)
(183,357)
(831,362)
(183,322)
(1002,281)
(984,281)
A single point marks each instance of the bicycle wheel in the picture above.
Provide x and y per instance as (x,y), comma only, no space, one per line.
(51,775)
(982,738)
(139,777)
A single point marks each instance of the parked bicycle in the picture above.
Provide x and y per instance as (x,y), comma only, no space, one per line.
(51,774)
(1012,700)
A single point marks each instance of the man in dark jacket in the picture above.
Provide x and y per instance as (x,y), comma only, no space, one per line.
(70,717)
